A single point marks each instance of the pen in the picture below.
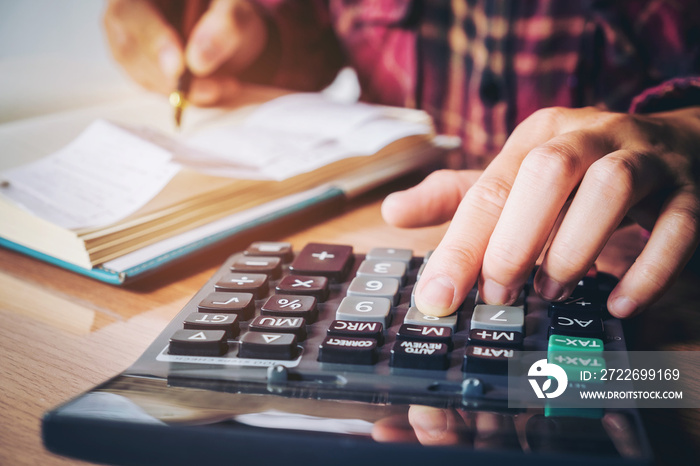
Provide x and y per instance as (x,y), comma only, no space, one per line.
(178,98)
(183,15)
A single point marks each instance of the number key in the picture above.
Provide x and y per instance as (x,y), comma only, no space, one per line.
(375,287)
(365,309)
(389,269)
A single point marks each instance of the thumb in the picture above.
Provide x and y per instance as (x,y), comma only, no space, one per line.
(432,202)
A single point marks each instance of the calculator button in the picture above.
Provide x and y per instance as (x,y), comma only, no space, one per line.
(390,269)
(327,260)
(270,248)
(420,271)
(390,254)
(420,355)
(282,305)
(492,317)
(504,338)
(578,324)
(198,343)
(241,304)
(567,343)
(427,256)
(487,360)
(304,285)
(357,329)
(262,345)
(271,266)
(375,287)
(363,308)
(577,303)
(416,317)
(201,321)
(294,325)
(519,302)
(346,350)
(255,283)
(426,333)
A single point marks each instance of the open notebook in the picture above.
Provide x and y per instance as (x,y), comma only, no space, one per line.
(114,193)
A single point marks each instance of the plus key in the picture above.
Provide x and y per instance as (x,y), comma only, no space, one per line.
(327,260)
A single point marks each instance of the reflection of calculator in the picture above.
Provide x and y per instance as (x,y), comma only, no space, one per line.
(319,358)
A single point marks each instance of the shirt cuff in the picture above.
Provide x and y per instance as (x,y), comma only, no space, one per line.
(669,95)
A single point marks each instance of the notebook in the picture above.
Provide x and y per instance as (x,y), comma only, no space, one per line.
(114,192)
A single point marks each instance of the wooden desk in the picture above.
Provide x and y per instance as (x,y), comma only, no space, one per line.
(61,333)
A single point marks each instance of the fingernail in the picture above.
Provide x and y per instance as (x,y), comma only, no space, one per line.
(549,289)
(435,294)
(495,293)
(170,60)
(622,306)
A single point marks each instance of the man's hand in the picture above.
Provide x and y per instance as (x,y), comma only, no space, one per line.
(571,177)
(227,39)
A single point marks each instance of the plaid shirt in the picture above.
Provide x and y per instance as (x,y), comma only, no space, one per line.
(480,67)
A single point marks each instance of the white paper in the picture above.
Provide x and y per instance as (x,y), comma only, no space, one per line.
(103,176)
(296,134)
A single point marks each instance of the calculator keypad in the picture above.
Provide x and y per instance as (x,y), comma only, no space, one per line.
(329,308)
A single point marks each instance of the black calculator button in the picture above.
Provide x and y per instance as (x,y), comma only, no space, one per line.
(294,325)
(282,305)
(255,283)
(579,302)
(415,317)
(347,350)
(426,333)
(327,260)
(420,355)
(264,345)
(270,248)
(304,285)
(576,324)
(241,304)
(198,343)
(271,266)
(487,360)
(214,321)
(357,329)
(503,338)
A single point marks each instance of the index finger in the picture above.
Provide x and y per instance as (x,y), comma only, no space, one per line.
(454,266)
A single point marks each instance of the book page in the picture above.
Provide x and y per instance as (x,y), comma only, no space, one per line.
(296,134)
(100,178)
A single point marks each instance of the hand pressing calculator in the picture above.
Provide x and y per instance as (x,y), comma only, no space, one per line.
(320,358)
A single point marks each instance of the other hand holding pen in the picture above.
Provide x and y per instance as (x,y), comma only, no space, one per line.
(226,40)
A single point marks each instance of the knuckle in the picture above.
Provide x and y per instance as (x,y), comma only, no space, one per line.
(554,159)
(565,263)
(489,194)
(616,175)
(549,117)
(684,220)
(463,256)
(654,274)
(507,261)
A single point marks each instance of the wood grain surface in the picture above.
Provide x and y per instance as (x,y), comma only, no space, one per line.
(62,333)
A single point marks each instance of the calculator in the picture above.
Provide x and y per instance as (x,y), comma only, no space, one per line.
(320,357)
